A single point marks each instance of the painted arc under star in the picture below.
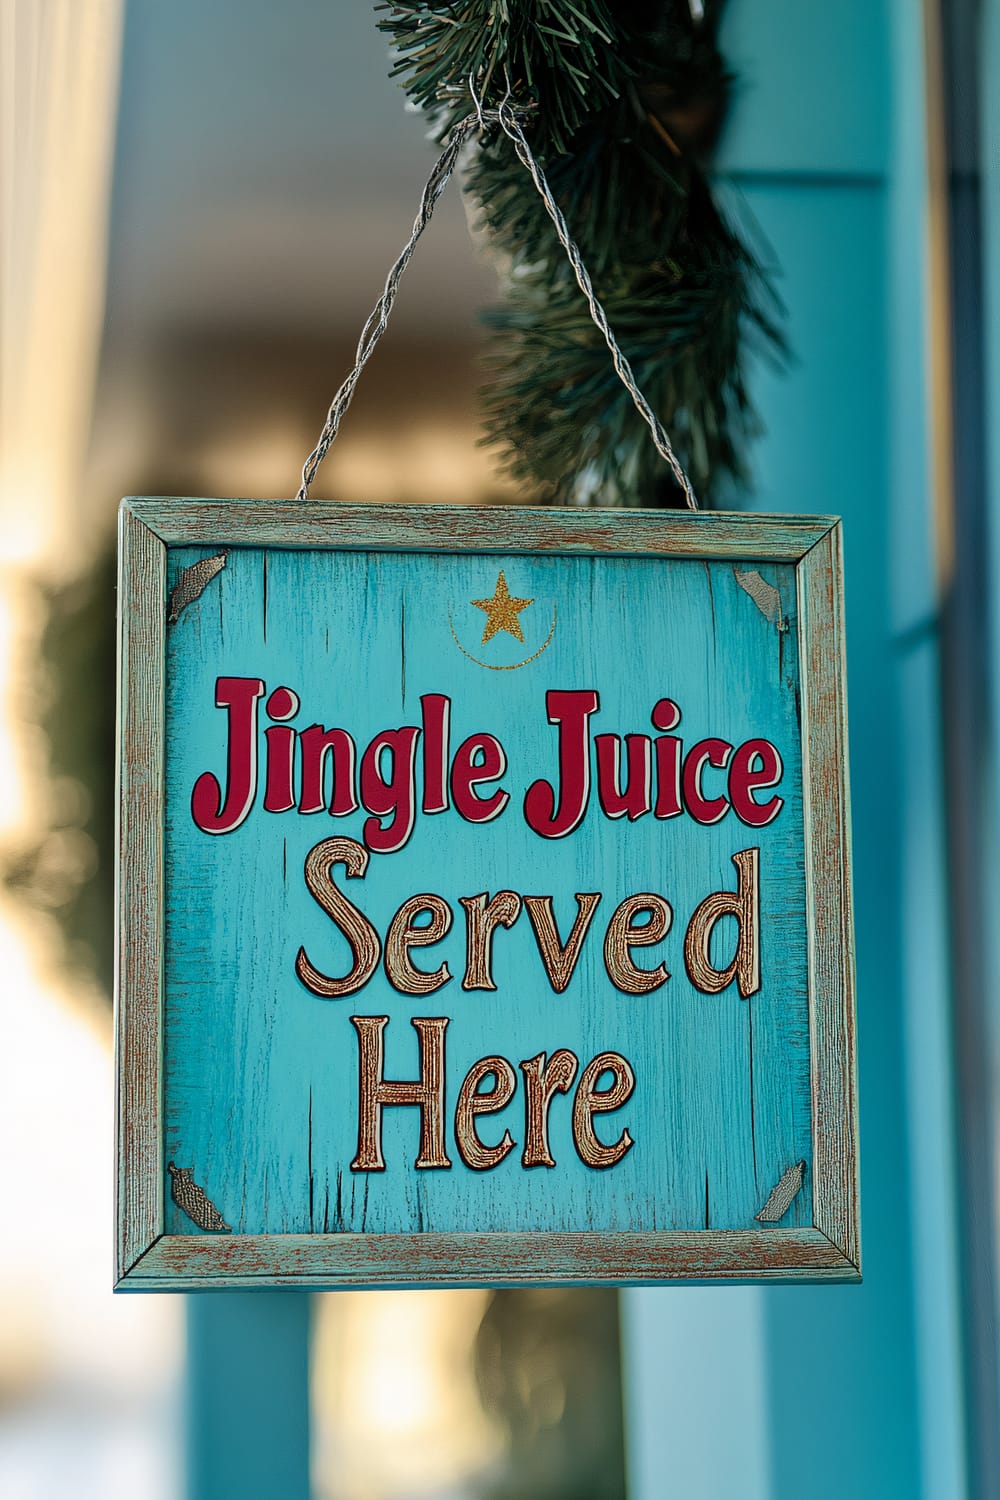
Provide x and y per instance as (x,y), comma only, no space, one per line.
(502,612)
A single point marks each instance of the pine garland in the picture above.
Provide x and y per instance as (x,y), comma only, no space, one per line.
(630,96)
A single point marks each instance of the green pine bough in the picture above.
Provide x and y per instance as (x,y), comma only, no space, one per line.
(630,96)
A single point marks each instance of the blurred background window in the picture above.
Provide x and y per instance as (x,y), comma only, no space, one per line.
(89,1386)
(467,1396)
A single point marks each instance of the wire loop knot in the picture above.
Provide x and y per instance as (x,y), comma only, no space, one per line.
(510,118)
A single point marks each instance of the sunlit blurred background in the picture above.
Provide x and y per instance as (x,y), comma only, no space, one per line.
(88,1387)
(198,201)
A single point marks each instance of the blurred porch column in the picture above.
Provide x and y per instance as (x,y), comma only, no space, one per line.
(796,1393)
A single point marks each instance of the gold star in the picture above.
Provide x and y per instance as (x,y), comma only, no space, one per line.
(502,612)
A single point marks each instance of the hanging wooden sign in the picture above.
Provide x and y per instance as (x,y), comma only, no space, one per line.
(484,902)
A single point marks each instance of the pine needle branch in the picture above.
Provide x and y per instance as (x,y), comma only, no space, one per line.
(631,96)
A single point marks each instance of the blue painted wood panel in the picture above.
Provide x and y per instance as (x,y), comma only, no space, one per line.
(261,1075)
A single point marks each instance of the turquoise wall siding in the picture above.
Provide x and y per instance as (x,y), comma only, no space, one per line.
(861,1388)
(989,40)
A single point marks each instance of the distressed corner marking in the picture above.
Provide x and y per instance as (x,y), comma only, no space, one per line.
(783,1195)
(763,594)
(193,1200)
(192,584)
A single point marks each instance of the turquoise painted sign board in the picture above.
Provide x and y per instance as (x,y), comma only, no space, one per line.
(484,898)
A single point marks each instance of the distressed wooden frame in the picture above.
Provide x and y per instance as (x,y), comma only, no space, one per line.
(148,1259)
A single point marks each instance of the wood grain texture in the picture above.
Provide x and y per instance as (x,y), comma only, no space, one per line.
(186,1262)
(831,925)
(257,1069)
(722,1098)
(139,891)
(290,523)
